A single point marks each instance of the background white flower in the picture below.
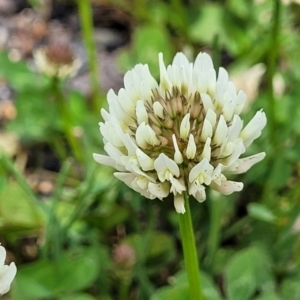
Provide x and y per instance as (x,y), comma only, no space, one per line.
(57,60)
(7,273)
(181,134)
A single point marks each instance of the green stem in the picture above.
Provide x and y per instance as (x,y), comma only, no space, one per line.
(271,69)
(66,119)
(124,289)
(86,20)
(52,236)
(214,230)
(190,252)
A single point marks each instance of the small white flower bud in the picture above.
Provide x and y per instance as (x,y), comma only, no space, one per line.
(221,132)
(158,109)
(191,148)
(185,127)
(178,158)
(207,131)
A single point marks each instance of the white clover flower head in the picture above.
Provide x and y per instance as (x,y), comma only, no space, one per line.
(57,60)
(7,273)
(181,134)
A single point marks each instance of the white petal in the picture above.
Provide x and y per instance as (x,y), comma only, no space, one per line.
(253,128)
(207,131)
(107,161)
(185,127)
(227,149)
(191,148)
(113,152)
(159,190)
(129,179)
(183,65)
(227,187)
(165,83)
(179,203)
(207,102)
(198,191)
(211,81)
(238,149)
(177,186)
(110,133)
(202,81)
(7,273)
(129,144)
(223,78)
(235,128)
(146,162)
(126,102)
(2,256)
(145,135)
(7,278)
(164,165)
(139,173)
(158,109)
(244,164)
(211,117)
(202,167)
(105,115)
(141,112)
(117,110)
(240,102)
(203,62)
(221,132)
(228,108)
(178,158)
(206,153)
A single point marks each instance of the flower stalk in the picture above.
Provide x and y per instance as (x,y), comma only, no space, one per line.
(271,68)
(66,119)
(190,252)
(215,212)
(86,21)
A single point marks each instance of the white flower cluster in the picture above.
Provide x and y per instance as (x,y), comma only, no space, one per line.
(181,134)
(57,60)
(7,273)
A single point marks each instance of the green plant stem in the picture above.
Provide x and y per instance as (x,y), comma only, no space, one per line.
(216,205)
(271,70)
(66,119)
(190,252)
(53,236)
(124,289)
(86,20)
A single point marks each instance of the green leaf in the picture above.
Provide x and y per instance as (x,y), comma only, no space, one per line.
(179,288)
(157,247)
(77,297)
(73,271)
(261,212)
(18,73)
(268,296)
(290,288)
(174,293)
(246,272)
(37,115)
(108,217)
(18,210)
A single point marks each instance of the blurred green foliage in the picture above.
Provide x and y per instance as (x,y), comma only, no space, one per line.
(77,226)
